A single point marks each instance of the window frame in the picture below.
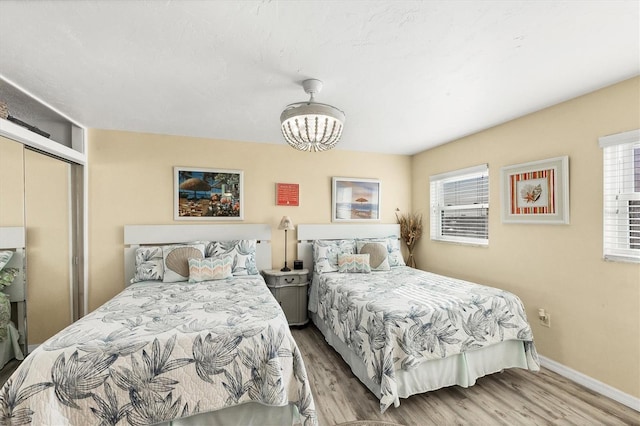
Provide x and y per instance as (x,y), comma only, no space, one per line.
(618,190)
(437,207)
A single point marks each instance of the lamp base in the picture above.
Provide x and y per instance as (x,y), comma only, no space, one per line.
(285,269)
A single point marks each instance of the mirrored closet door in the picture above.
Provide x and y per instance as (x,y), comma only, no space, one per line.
(13,338)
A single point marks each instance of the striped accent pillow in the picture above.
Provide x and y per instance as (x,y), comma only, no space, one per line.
(354,263)
(210,268)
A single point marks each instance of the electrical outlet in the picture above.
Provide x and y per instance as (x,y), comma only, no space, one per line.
(544,317)
(546,320)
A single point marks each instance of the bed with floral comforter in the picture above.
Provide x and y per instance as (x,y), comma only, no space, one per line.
(163,351)
(397,320)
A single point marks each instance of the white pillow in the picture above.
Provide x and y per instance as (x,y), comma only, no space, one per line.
(395,255)
(176,261)
(210,268)
(5,257)
(325,253)
(242,251)
(393,248)
(149,264)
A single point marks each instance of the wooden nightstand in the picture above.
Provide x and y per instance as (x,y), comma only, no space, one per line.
(290,290)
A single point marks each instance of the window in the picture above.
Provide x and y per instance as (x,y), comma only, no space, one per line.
(621,171)
(460,206)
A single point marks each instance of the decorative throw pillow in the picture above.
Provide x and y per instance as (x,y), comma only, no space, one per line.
(5,257)
(210,268)
(393,248)
(354,263)
(395,255)
(5,316)
(325,253)
(378,254)
(7,275)
(243,252)
(149,264)
(176,261)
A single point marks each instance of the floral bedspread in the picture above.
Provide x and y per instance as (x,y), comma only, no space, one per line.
(157,352)
(398,319)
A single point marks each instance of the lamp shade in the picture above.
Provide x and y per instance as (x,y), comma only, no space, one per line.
(286,223)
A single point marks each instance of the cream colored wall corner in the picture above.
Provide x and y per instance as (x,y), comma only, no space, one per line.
(11,183)
(131,182)
(594,305)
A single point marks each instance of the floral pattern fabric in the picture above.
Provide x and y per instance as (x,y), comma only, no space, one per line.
(5,316)
(158,352)
(398,319)
(243,252)
(393,248)
(325,253)
(149,264)
(7,276)
(5,257)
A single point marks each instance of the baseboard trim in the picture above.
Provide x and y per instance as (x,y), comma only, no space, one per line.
(591,383)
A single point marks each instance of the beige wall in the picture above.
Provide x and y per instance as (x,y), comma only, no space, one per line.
(11,183)
(131,182)
(594,305)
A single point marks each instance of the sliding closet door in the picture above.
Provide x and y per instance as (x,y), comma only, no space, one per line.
(48,229)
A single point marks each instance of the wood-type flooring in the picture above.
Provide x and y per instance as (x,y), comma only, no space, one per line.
(513,397)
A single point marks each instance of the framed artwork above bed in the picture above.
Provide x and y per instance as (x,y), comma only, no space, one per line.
(355,200)
(536,192)
(208,194)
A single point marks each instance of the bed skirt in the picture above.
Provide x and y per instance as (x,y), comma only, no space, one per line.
(462,369)
(10,347)
(248,414)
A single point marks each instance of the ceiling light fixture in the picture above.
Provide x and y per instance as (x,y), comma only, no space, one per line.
(311,126)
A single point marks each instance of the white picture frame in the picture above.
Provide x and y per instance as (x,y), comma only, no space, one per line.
(355,200)
(215,194)
(536,192)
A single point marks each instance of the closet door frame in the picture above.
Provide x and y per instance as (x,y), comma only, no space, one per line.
(77,157)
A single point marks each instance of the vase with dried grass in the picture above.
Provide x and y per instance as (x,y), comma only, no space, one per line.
(410,232)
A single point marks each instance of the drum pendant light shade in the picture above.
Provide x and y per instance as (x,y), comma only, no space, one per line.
(312,126)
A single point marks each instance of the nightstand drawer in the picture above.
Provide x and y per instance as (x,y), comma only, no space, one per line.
(283,279)
(286,280)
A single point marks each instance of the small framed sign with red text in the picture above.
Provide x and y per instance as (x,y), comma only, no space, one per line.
(287,194)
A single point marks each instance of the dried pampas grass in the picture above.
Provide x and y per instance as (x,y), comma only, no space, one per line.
(410,232)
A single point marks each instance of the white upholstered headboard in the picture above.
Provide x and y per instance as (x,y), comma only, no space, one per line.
(308,233)
(138,235)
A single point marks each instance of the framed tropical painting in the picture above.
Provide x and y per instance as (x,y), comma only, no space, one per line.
(208,194)
(536,192)
(355,200)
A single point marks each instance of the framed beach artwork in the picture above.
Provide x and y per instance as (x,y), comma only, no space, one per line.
(536,192)
(208,194)
(355,200)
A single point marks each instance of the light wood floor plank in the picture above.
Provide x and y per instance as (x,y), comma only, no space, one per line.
(513,397)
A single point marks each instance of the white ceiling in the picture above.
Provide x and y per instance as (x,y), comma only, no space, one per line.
(409,74)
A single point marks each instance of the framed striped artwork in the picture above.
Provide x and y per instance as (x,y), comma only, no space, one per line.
(536,192)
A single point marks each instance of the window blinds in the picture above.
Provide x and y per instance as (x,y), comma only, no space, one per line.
(460,206)
(621,196)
